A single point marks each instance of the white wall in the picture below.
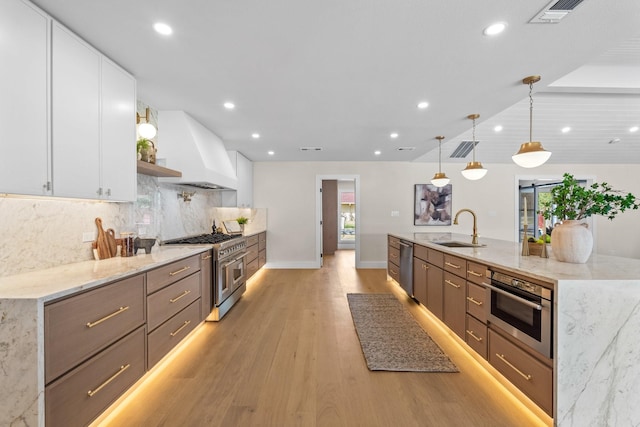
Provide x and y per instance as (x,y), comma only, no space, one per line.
(287,190)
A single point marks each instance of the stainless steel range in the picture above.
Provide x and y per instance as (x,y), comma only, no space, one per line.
(229,279)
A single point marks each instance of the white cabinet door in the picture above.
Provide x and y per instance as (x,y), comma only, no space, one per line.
(75,109)
(244,172)
(24,140)
(118,130)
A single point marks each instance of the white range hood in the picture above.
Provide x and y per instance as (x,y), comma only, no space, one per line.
(195,151)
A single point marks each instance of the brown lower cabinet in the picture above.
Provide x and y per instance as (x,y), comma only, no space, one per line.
(256,253)
(455,307)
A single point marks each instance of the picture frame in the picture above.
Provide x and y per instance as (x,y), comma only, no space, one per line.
(432,205)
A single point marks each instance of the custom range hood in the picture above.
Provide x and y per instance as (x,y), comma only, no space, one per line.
(195,151)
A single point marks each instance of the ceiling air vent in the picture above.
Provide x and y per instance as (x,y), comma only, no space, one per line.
(310,148)
(555,11)
(463,149)
(405,148)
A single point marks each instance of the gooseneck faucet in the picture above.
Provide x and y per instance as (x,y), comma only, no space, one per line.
(474,240)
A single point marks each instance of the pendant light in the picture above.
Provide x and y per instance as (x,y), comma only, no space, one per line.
(474,170)
(531,154)
(440,178)
(145,130)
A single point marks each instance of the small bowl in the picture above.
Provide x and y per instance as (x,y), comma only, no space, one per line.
(139,243)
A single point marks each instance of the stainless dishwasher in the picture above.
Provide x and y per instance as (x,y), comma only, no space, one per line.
(406,267)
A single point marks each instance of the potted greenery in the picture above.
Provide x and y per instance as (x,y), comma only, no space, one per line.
(242,221)
(570,203)
(146,150)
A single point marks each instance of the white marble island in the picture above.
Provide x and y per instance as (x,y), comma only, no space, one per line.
(22,300)
(596,320)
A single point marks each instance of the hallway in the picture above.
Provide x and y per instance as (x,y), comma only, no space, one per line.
(287,355)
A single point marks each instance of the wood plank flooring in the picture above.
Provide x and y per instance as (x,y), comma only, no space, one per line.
(288,355)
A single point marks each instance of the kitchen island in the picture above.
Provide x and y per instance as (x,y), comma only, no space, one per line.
(596,319)
(22,324)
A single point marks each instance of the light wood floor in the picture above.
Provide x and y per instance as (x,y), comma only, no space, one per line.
(288,355)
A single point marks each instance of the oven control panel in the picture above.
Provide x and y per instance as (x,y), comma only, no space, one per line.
(521,284)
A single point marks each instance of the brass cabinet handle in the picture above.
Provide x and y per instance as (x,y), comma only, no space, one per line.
(177,331)
(449,282)
(206,257)
(394,256)
(474,336)
(470,299)
(115,313)
(123,368)
(185,268)
(522,374)
(187,292)
(394,272)
(452,265)
(473,273)
(425,267)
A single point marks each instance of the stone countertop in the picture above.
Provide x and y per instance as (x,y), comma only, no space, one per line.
(252,232)
(506,256)
(51,283)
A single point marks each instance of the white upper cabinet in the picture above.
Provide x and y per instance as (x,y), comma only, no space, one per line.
(24,139)
(242,197)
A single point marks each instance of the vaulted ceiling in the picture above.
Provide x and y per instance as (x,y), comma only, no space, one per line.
(343,75)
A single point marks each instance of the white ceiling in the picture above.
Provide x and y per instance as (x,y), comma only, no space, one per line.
(343,75)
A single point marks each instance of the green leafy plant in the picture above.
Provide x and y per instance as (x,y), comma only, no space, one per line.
(570,200)
(242,220)
(142,144)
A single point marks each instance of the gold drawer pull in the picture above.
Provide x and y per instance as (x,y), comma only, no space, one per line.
(425,267)
(187,292)
(206,257)
(123,368)
(184,325)
(179,271)
(522,374)
(393,271)
(452,265)
(473,273)
(470,299)
(394,256)
(474,336)
(449,282)
(115,313)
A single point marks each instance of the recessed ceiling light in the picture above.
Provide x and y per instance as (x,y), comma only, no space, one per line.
(566,129)
(633,129)
(423,104)
(494,29)
(394,135)
(498,128)
(229,105)
(255,135)
(377,152)
(271,153)
(162,28)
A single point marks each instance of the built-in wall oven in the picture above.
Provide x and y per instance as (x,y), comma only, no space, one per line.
(521,309)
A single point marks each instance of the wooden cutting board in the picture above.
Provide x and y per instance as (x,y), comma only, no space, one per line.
(111,240)
(102,245)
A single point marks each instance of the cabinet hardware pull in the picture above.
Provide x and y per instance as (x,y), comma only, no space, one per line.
(115,313)
(184,325)
(393,271)
(449,282)
(123,368)
(474,301)
(473,273)
(425,267)
(474,336)
(206,257)
(179,271)
(522,374)
(452,265)
(187,292)
(394,256)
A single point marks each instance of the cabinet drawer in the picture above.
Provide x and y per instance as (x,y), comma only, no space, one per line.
(252,240)
(394,256)
(262,258)
(476,305)
(476,336)
(167,336)
(80,326)
(436,258)
(262,245)
(478,273)
(394,242)
(252,253)
(105,376)
(252,267)
(455,265)
(531,376)
(262,237)
(170,300)
(163,276)
(394,272)
(421,252)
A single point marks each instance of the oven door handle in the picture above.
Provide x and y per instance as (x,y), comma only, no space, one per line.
(239,257)
(515,297)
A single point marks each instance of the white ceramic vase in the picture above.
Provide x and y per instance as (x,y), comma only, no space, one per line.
(572,241)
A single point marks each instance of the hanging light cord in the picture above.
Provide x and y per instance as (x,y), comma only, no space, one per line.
(474,140)
(530,112)
(439,156)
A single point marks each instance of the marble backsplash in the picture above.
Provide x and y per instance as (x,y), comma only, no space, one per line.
(39,233)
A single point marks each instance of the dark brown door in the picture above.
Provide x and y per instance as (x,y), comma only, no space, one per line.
(329,216)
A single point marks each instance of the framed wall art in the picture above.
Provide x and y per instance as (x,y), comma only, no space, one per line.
(432,205)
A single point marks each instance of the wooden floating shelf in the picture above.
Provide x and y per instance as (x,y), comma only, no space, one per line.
(146,168)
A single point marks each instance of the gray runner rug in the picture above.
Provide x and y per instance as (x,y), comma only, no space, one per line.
(391,339)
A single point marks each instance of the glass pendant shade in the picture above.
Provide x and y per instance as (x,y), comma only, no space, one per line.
(474,171)
(440,179)
(531,155)
(147,130)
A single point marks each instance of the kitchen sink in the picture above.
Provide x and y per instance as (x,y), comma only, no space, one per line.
(455,244)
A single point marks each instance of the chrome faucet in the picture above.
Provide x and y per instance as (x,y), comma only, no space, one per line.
(474,240)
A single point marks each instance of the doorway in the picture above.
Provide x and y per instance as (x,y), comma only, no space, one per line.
(342,218)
